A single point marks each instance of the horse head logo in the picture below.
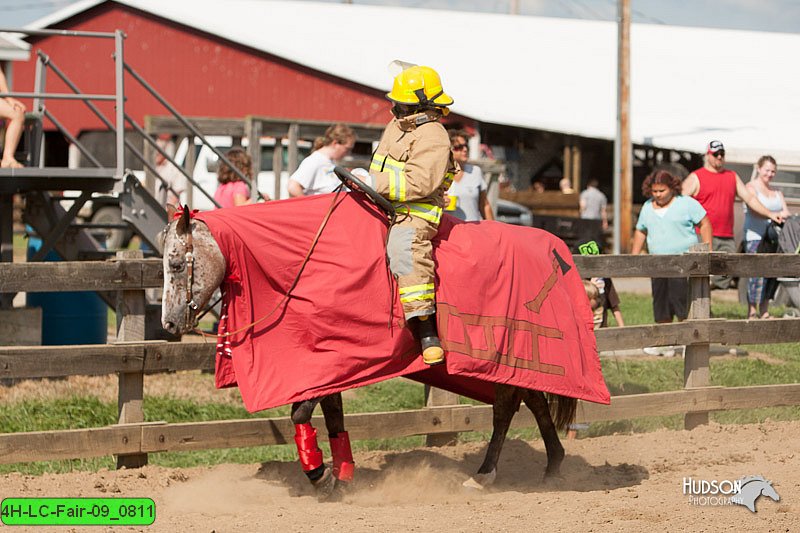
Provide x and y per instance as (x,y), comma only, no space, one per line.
(754,487)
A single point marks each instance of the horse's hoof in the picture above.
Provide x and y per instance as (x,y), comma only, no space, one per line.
(324,485)
(552,479)
(480,481)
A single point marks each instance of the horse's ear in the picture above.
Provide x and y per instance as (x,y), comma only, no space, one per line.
(171,210)
(184,223)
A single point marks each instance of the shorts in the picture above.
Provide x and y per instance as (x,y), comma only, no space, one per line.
(670,298)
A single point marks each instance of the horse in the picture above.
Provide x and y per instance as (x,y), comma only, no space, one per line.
(195,266)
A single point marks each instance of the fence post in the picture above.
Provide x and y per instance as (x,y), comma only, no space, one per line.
(131,327)
(696,372)
(440,398)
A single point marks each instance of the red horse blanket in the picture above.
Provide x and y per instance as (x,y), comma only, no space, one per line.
(511,306)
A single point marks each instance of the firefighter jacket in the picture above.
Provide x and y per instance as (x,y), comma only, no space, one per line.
(413,165)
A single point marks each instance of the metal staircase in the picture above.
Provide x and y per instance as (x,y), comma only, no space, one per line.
(51,215)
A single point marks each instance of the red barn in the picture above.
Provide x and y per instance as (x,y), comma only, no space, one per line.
(199,73)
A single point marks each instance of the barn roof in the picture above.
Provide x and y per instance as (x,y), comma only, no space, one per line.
(688,85)
(13,48)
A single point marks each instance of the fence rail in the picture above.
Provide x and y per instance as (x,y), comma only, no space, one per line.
(132,439)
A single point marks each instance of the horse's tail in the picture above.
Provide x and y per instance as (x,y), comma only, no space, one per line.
(562,409)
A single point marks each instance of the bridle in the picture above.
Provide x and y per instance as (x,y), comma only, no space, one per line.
(191,305)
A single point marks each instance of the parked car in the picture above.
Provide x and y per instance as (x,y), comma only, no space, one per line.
(513,213)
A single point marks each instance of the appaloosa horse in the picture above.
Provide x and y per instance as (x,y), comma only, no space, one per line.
(194,267)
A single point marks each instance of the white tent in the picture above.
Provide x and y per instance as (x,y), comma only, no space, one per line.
(688,85)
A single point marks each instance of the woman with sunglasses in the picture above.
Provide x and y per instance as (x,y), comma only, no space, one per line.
(466,198)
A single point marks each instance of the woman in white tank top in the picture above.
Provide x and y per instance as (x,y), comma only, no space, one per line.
(755,225)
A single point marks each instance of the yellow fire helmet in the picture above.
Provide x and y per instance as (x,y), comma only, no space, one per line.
(419,85)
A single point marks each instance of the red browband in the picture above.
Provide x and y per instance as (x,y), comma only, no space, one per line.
(179,213)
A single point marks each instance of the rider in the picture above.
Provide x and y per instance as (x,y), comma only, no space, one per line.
(413,167)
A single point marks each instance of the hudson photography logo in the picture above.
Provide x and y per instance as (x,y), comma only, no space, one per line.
(714,492)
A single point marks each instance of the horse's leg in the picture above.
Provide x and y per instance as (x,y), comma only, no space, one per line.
(305,438)
(343,465)
(506,403)
(537,403)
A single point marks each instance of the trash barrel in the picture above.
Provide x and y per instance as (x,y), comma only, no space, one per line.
(68,317)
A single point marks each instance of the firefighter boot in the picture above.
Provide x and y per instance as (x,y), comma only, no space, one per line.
(424,329)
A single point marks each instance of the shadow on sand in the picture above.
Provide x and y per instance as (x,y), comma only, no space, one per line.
(430,475)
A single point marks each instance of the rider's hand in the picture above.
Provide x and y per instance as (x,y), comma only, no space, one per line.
(777,218)
(363,175)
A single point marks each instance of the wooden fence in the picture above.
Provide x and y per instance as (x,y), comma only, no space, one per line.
(132,358)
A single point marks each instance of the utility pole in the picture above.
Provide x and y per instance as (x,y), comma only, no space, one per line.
(623,154)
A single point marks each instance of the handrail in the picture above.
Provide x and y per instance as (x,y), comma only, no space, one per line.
(59,96)
(169,158)
(61,33)
(195,131)
(128,144)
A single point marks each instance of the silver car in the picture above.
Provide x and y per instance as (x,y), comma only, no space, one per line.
(514,213)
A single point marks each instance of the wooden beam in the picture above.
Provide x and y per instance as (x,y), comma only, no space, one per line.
(159,436)
(440,398)
(158,356)
(176,356)
(147,273)
(69,444)
(78,360)
(754,265)
(81,276)
(682,401)
(131,327)
(696,369)
(637,266)
(631,337)
(207,125)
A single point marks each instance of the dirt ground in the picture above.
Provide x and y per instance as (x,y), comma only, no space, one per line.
(613,483)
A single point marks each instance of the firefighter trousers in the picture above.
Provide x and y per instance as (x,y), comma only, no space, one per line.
(411,262)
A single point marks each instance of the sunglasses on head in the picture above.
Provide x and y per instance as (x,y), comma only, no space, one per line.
(458,147)
(719,154)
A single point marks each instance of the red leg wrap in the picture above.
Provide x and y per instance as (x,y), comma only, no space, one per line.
(343,465)
(306,440)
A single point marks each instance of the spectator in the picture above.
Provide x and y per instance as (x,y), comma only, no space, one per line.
(593,203)
(607,295)
(668,221)
(232,191)
(172,184)
(716,188)
(565,185)
(13,112)
(602,298)
(315,174)
(755,226)
(537,186)
(466,198)
(609,302)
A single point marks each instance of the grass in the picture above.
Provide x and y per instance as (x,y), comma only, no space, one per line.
(622,375)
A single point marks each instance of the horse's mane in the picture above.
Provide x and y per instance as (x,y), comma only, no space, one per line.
(750,479)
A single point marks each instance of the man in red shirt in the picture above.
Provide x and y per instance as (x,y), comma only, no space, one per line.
(716,188)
